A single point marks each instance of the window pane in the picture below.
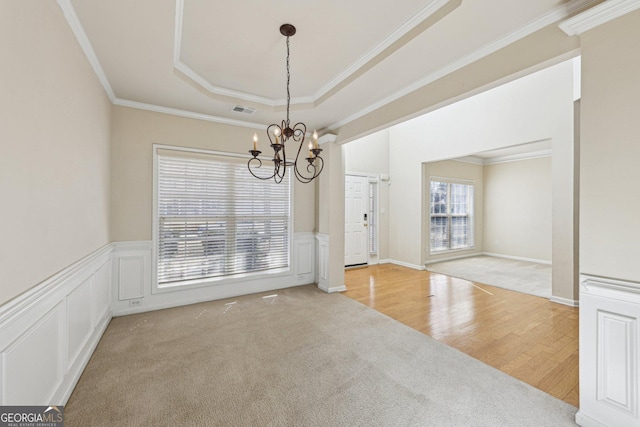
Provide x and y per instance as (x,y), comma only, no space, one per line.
(439,233)
(460,232)
(438,197)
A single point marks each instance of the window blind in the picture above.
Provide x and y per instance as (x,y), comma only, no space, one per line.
(451,215)
(216,220)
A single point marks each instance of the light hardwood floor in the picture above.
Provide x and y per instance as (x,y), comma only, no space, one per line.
(524,336)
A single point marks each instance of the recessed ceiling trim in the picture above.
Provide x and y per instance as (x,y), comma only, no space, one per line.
(432,7)
(207,85)
(184,113)
(517,157)
(549,18)
(78,30)
(311,100)
(598,15)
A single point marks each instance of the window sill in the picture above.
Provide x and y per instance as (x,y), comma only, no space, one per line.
(215,281)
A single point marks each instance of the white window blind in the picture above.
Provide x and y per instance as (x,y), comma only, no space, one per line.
(451,215)
(215,219)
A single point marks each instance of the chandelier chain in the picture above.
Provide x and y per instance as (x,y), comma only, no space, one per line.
(288,80)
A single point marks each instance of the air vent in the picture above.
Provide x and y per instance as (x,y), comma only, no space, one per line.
(244,110)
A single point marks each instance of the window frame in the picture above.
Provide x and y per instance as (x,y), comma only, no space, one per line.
(449,215)
(156,288)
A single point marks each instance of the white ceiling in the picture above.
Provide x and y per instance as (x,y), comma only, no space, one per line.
(203,57)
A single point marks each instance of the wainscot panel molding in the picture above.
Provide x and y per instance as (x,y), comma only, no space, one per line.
(322,278)
(609,338)
(48,333)
(134,293)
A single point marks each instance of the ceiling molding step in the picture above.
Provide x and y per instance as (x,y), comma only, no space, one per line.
(470,159)
(212,89)
(81,36)
(327,138)
(549,18)
(183,113)
(517,157)
(598,15)
(432,7)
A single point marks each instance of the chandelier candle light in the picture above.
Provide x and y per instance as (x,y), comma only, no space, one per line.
(280,134)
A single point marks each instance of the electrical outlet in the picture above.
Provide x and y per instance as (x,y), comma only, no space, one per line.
(135,302)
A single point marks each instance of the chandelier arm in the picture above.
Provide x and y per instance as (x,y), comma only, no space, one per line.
(254,160)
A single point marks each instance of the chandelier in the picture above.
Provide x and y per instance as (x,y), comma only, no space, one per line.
(280,134)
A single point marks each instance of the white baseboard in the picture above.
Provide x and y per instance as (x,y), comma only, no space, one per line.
(586,421)
(452,258)
(332,289)
(48,334)
(517,258)
(565,301)
(406,264)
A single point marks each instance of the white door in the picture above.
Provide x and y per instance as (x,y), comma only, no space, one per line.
(355,223)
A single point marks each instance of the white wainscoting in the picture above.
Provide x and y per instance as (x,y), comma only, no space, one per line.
(322,277)
(48,334)
(134,293)
(609,339)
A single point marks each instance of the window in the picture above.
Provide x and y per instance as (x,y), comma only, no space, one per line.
(215,220)
(373,216)
(451,215)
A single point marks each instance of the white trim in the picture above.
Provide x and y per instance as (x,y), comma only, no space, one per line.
(452,258)
(554,15)
(598,15)
(586,421)
(517,258)
(78,30)
(549,18)
(9,311)
(405,264)
(469,159)
(185,113)
(432,7)
(332,289)
(565,301)
(80,291)
(517,157)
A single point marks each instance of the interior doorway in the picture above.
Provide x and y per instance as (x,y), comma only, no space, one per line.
(356,220)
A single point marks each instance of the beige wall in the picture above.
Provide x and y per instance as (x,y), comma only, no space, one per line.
(370,155)
(454,170)
(517,208)
(610,149)
(133,134)
(54,129)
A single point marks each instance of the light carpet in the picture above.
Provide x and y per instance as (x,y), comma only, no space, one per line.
(521,276)
(301,358)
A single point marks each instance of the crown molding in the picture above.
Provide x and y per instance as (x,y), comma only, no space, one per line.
(184,113)
(78,30)
(432,7)
(549,18)
(598,15)
(504,159)
(517,157)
